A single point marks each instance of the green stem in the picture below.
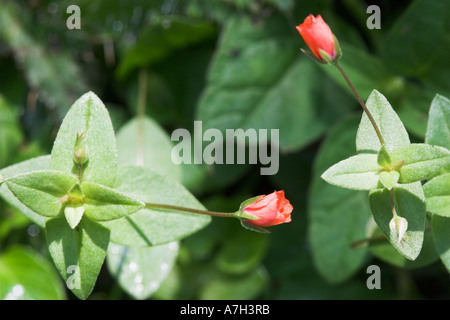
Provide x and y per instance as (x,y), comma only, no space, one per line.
(394,213)
(157,206)
(368,241)
(361,102)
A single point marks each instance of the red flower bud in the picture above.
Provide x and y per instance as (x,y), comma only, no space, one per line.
(269,210)
(319,38)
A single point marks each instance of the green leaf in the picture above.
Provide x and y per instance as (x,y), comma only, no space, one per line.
(392,129)
(73,214)
(420,161)
(438,128)
(27,275)
(437,195)
(385,251)
(359,172)
(78,253)
(144,142)
(383,159)
(41,190)
(104,204)
(337,216)
(148,227)
(35,164)
(259,80)
(140,271)
(389,178)
(440,226)
(88,115)
(409,204)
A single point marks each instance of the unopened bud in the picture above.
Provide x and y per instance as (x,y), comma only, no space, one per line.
(398,226)
(81,151)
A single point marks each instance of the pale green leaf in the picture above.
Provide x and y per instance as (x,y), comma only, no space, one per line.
(143,142)
(149,227)
(390,125)
(410,205)
(88,115)
(73,214)
(385,251)
(104,204)
(140,271)
(360,172)
(437,194)
(420,161)
(35,164)
(384,160)
(41,191)
(78,253)
(389,178)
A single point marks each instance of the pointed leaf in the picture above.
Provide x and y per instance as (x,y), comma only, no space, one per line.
(390,125)
(104,204)
(140,271)
(384,160)
(359,172)
(35,164)
(440,226)
(73,214)
(78,253)
(87,115)
(409,204)
(437,194)
(41,190)
(143,142)
(26,275)
(389,179)
(149,227)
(420,161)
(438,128)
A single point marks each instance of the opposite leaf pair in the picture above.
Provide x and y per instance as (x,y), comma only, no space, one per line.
(392,173)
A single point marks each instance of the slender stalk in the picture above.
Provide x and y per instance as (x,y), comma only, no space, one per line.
(361,102)
(157,206)
(368,241)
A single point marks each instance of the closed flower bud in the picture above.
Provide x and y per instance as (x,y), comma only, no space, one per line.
(265,211)
(81,151)
(319,38)
(398,226)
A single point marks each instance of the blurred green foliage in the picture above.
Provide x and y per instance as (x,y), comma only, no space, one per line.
(231,64)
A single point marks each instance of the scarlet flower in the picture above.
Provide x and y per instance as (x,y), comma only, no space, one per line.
(270,210)
(319,38)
